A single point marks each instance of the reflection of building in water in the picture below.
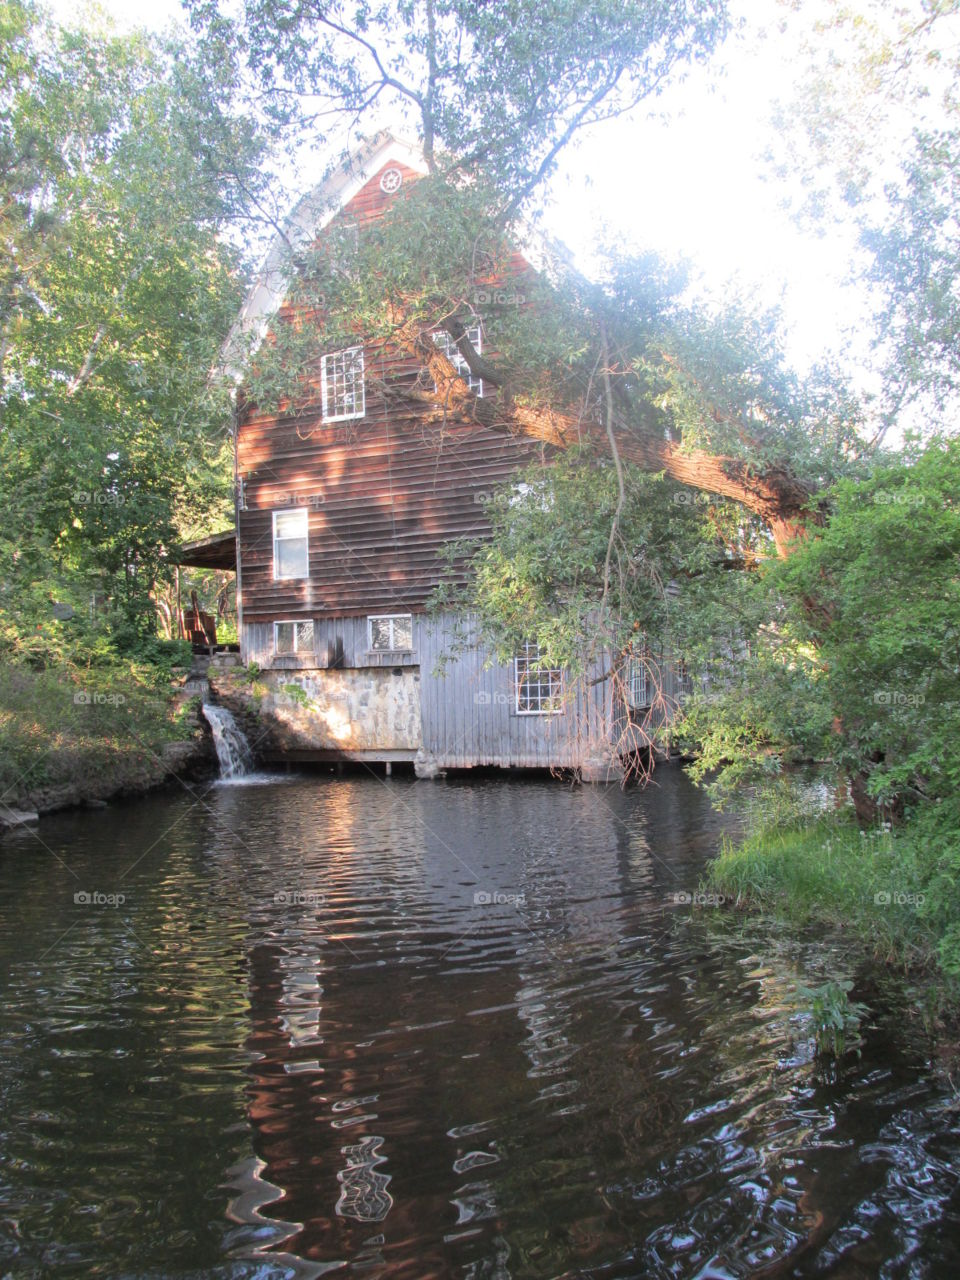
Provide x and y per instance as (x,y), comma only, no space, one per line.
(431,1040)
(364,1194)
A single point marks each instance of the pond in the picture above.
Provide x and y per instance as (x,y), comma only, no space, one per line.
(370,1027)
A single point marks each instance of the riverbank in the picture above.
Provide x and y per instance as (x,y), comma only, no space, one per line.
(71,735)
(878,888)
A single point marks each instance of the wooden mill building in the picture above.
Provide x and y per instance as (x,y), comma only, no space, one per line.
(345,505)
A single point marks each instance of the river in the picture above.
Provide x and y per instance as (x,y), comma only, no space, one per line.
(370,1027)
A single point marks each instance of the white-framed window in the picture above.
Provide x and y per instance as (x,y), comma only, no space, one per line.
(684,680)
(638,680)
(342,386)
(538,689)
(291,553)
(450,349)
(293,637)
(390,632)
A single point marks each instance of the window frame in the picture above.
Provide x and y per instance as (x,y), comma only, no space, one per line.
(444,341)
(295,652)
(388,617)
(305,537)
(518,684)
(683,679)
(638,661)
(324,396)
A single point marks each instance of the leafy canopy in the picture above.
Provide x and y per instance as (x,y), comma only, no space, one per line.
(116,287)
(498,86)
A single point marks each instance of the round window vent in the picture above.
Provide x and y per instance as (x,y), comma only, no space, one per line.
(391,180)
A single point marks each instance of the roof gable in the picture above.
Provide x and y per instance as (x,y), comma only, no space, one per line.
(353,186)
(339,191)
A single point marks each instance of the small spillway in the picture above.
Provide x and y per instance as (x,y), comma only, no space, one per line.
(233,750)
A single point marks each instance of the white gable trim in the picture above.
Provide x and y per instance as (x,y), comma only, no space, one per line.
(316,209)
(310,215)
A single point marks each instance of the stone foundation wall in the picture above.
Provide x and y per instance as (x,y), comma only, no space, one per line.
(322,710)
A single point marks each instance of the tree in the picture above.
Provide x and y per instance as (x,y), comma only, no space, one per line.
(118,172)
(708,401)
(875,136)
(498,87)
(494,91)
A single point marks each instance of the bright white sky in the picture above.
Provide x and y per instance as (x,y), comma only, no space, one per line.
(689,181)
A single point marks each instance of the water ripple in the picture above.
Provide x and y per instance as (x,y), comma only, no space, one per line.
(383,1029)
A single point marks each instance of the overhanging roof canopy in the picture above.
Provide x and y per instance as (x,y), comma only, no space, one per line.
(219,551)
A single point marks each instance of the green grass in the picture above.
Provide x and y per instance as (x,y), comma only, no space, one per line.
(93,728)
(831,874)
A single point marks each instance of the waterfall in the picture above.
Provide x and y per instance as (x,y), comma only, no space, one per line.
(233,750)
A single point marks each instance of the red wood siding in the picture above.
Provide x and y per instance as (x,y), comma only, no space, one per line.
(384,493)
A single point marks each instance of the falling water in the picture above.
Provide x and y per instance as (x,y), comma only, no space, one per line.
(233,750)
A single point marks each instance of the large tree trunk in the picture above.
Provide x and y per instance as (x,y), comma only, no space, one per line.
(777,497)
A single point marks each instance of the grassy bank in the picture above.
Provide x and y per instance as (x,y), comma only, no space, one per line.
(877,887)
(69,733)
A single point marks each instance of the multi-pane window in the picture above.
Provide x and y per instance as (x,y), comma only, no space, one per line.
(539,689)
(290,544)
(638,681)
(341,377)
(450,349)
(390,631)
(684,681)
(293,637)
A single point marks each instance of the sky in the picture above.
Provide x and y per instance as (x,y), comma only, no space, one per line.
(687,180)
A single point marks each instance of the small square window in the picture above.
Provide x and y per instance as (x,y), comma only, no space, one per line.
(291,558)
(539,689)
(293,637)
(450,349)
(391,631)
(342,385)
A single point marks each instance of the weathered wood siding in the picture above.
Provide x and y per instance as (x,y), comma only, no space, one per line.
(383,497)
(385,493)
(470,718)
(341,642)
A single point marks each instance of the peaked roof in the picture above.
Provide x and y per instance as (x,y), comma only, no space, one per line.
(310,215)
(319,207)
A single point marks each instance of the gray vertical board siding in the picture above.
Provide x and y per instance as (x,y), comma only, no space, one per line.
(469,711)
(660,716)
(468,705)
(330,635)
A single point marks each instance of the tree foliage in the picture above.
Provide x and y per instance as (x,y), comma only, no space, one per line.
(115,292)
(496,87)
(708,400)
(875,136)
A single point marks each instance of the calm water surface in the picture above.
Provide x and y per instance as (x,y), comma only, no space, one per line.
(377,1028)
